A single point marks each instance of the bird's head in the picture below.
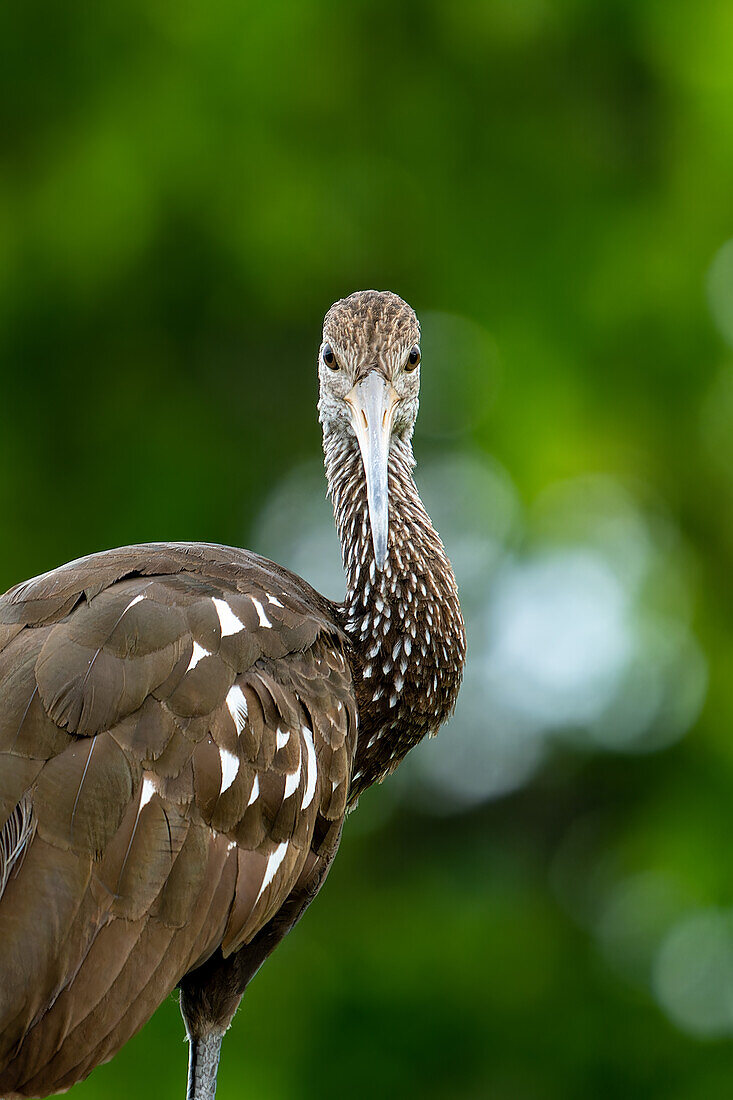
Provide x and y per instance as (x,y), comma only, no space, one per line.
(369,373)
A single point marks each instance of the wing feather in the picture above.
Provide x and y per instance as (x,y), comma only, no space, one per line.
(185,728)
(82,794)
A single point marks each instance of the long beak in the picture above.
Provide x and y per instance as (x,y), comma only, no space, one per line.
(372,403)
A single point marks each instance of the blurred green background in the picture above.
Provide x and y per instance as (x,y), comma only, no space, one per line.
(539,905)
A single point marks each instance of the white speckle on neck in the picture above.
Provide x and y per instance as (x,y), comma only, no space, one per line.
(388,620)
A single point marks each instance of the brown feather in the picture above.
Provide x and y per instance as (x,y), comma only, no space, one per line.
(82,794)
(139,859)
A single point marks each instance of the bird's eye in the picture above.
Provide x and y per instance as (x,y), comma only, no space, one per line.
(413,358)
(329,358)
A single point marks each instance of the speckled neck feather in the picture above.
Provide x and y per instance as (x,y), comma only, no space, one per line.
(405,622)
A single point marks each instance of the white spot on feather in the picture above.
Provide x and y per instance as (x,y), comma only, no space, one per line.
(281,739)
(198,654)
(237,705)
(229,768)
(255,791)
(264,621)
(147,792)
(133,602)
(228,621)
(273,865)
(291,781)
(274,601)
(311,769)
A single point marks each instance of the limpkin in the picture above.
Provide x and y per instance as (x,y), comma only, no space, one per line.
(183,727)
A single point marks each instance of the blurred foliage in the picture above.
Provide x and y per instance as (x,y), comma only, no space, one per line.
(184,189)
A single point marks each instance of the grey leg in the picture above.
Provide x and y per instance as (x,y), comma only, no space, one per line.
(203,1062)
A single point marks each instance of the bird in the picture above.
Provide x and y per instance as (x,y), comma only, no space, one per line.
(184,727)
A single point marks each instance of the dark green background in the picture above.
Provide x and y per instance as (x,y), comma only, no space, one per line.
(184,189)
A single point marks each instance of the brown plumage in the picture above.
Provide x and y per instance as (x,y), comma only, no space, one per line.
(183,727)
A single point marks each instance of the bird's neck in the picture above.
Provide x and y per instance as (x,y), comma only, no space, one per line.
(404,621)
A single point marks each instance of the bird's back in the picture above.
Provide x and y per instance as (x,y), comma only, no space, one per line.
(177,728)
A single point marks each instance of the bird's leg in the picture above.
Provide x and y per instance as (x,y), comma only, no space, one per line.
(209,999)
(210,995)
(203,1062)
